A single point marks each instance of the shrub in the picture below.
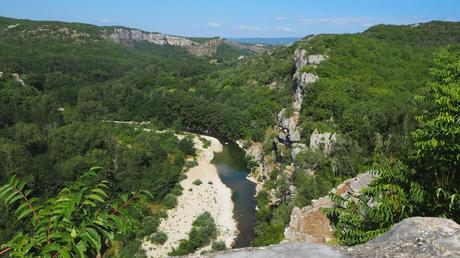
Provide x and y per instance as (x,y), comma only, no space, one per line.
(170,200)
(197,182)
(219,246)
(159,238)
(203,231)
(187,146)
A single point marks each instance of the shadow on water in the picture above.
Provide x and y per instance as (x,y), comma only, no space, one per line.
(233,171)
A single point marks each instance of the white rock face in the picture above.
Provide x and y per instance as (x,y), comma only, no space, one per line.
(414,237)
(305,79)
(13,26)
(121,34)
(296,149)
(289,131)
(206,48)
(301,58)
(288,124)
(322,141)
(17,78)
(316,59)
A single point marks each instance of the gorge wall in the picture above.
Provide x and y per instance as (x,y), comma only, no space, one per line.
(207,47)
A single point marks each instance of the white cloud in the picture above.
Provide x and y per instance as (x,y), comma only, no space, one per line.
(339,21)
(285,29)
(368,24)
(248,28)
(105,20)
(281,18)
(213,24)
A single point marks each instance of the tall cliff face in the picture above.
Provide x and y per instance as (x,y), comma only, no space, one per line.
(198,48)
(288,142)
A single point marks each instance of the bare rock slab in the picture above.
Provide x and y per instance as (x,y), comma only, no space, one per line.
(283,250)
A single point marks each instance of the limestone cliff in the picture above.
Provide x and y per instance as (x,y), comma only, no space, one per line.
(199,48)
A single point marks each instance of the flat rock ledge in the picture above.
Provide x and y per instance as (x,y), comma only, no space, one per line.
(413,237)
(283,250)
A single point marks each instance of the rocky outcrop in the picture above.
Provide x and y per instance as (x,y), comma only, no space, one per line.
(413,237)
(420,237)
(264,163)
(18,79)
(322,141)
(296,149)
(289,132)
(199,48)
(283,250)
(310,224)
(301,58)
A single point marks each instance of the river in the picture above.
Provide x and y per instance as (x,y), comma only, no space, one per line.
(232,169)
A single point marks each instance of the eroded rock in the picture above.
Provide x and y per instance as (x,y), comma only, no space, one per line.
(322,141)
(414,237)
(283,250)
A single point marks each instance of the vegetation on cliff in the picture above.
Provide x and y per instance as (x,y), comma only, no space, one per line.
(429,184)
(52,129)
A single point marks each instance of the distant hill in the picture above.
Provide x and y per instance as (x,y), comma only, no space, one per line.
(203,47)
(266,41)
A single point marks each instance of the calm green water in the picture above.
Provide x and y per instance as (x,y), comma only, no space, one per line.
(233,171)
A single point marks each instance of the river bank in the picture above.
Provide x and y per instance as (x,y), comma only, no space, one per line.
(212,196)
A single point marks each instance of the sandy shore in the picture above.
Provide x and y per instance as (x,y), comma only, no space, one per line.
(212,196)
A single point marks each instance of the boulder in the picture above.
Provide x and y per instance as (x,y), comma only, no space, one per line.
(414,237)
(283,250)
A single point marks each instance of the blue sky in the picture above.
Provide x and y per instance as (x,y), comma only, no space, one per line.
(236,18)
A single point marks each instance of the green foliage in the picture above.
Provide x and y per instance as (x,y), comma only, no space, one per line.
(187,146)
(170,200)
(391,197)
(270,221)
(437,152)
(159,238)
(429,186)
(308,69)
(203,231)
(79,221)
(197,182)
(218,246)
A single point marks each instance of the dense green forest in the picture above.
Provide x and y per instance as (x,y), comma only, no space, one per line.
(366,96)
(56,125)
(52,128)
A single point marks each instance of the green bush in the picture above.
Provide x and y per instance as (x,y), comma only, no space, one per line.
(170,200)
(203,231)
(218,246)
(197,182)
(159,238)
(187,146)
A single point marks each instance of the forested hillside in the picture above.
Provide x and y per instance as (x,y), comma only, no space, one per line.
(61,85)
(59,82)
(365,95)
